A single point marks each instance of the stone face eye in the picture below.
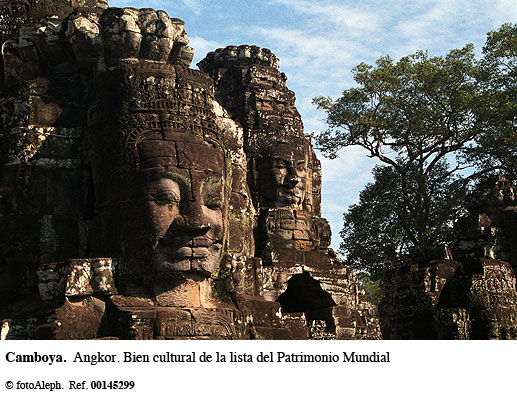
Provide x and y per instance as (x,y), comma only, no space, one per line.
(300,166)
(166,199)
(279,164)
(214,203)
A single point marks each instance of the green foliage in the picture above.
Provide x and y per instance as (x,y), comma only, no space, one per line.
(372,288)
(380,228)
(500,55)
(417,106)
(496,148)
(426,119)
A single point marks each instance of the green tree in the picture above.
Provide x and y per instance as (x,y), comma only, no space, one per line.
(412,115)
(375,229)
(496,147)
(435,123)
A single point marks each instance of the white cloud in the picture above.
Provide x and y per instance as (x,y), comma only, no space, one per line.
(203,46)
(357,19)
(352,162)
(442,25)
(502,10)
(307,45)
(195,6)
(343,179)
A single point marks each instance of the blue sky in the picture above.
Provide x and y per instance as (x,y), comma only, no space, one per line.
(319,42)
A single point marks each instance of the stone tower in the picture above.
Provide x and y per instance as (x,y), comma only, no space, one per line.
(284,175)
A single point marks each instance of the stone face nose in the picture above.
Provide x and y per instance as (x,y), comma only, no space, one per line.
(292,180)
(191,221)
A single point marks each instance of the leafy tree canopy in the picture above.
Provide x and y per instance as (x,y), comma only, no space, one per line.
(380,228)
(496,147)
(417,109)
(435,123)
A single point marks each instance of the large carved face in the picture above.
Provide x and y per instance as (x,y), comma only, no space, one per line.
(283,176)
(178,207)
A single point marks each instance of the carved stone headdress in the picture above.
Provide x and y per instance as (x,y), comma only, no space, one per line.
(139,99)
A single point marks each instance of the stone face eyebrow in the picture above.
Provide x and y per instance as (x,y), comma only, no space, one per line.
(184,182)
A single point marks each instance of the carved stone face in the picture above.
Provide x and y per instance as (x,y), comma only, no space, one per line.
(178,195)
(283,176)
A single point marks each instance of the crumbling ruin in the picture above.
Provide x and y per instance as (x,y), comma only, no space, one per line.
(465,293)
(142,199)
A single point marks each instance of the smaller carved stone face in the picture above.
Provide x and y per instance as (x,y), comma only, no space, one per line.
(179,194)
(283,177)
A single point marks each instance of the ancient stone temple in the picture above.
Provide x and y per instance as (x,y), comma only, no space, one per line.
(143,199)
(291,237)
(468,292)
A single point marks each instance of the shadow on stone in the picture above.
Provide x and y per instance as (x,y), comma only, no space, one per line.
(305,295)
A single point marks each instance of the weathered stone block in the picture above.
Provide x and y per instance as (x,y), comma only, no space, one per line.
(303,245)
(285,234)
(262,313)
(76,278)
(74,320)
(297,325)
(217,324)
(301,235)
(174,293)
(132,318)
(174,323)
(288,224)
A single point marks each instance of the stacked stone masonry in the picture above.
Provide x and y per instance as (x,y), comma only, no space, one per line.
(468,292)
(142,199)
